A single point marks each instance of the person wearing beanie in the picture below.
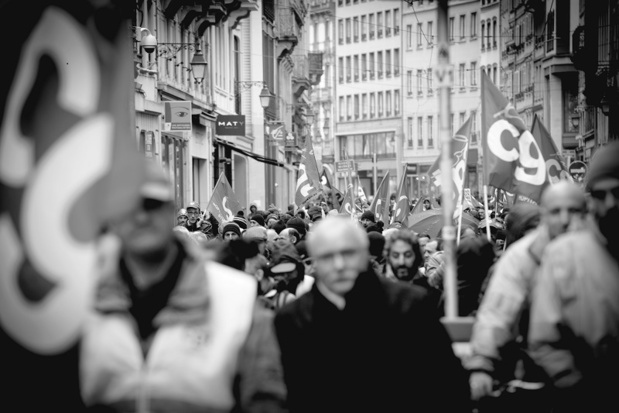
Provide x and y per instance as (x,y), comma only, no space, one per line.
(298,224)
(241,222)
(256,220)
(315,213)
(231,230)
(367,218)
(271,219)
(576,297)
(253,208)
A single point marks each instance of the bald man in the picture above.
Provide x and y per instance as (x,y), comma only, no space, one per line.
(290,234)
(357,342)
(574,328)
(502,318)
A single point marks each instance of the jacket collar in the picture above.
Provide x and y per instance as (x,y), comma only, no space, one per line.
(188,300)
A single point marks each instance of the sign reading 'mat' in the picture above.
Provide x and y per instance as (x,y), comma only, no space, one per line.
(230,125)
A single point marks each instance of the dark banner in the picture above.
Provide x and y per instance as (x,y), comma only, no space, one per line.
(230,125)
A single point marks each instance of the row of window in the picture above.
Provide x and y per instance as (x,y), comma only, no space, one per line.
(364,106)
(369,26)
(341,3)
(366,66)
(523,32)
(488,40)
(365,146)
(426,35)
(420,132)
(424,80)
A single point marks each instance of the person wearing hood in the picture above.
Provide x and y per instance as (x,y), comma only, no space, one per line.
(285,271)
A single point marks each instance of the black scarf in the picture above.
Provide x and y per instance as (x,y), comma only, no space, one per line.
(146,304)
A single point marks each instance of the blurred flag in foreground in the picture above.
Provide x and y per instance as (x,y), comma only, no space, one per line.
(68,164)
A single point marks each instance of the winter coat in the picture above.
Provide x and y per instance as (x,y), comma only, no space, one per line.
(574,327)
(386,351)
(213,348)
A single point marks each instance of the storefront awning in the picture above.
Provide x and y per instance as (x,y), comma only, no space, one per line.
(255,156)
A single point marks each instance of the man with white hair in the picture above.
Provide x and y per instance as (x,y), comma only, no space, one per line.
(358,342)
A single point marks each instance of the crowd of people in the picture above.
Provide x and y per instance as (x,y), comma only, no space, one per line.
(309,310)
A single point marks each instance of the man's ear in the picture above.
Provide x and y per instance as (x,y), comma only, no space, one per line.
(293,239)
(259,274)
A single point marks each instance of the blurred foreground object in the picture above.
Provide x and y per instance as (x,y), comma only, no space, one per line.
(68,159)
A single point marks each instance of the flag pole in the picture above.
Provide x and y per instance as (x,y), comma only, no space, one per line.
(486,212)
(352,193)
(461,195)
(444,75)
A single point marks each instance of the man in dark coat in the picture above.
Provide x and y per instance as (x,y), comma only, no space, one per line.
(357,342)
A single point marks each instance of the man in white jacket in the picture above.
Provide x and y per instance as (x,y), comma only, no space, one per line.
(172,331)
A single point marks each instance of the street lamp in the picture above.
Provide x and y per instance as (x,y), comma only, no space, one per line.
(148,43)
(326,128)
(265,97)
(198,65)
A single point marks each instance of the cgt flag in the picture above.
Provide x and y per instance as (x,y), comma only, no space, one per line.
(555,168)
(380,203)
(68,158)
(513,159)
(402,205)
(460,146)
(223,204)
(308,181)
(325,181)
(347,203)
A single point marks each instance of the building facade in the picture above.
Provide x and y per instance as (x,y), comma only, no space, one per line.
(595,54)
(421,98)
(249,46)
(368,91)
